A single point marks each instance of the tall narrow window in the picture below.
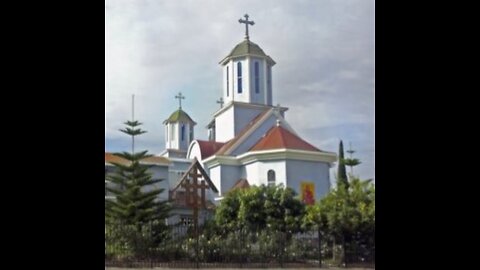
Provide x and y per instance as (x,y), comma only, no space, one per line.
(269,78)
(228,82)
(191,133)
(183,132)
(271,178)
(257,78)
(239,77)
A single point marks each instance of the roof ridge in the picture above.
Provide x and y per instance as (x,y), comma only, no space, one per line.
(282,135)
(244,131)
(279,137)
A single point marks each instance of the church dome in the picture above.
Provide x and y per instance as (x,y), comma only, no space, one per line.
(179,116)
(245,48)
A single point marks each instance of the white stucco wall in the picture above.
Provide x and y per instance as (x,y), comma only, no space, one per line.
(258,98)
(170,141)
(176,170)
(244,115)
(194,151)
(269,85)
(248,81)
(224,125)
(175,141)
(256,172)
(224,177)
(230,175)
(245,95)
(227,97)
(183,144)
(233,120)
(160,172)
(280,172)
(309,171)
(215,176)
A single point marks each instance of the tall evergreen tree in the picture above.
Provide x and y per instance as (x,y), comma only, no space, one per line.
(136,200)
(351,162)
(342,179)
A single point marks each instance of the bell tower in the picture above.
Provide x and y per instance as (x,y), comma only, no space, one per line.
(247,88)
(179,133)
(247,72)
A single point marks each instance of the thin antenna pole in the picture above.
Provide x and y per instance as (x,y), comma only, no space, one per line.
(133,119)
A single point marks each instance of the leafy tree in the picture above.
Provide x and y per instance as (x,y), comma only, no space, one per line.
(347,215)
(265,217)
(258,207)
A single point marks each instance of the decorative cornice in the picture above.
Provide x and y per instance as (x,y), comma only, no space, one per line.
(274,154)
(246,105)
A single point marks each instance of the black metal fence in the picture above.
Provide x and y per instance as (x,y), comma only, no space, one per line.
(157,245)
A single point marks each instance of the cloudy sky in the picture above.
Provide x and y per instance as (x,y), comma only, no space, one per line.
(325,71)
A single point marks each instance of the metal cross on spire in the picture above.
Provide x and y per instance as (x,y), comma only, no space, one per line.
(246,22)
(220,101)
(180,97)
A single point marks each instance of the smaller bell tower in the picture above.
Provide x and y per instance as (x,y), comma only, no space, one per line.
(179,132)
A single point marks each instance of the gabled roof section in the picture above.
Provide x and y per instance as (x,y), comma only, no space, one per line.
(225,149)
(179,116)
(280,138)
(208,148)
(154,160)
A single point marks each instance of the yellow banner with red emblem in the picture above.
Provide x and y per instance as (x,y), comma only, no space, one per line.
(307,193)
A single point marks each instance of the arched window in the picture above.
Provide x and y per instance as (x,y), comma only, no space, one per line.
(257,78)
(228,82)
(239,77)
(271,178)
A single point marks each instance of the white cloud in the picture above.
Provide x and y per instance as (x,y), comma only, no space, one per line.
(324,52)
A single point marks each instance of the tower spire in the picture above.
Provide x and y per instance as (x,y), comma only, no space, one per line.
(180,97)
(246,22)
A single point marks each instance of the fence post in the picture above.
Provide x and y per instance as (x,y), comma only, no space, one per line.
(282,241)
(241,246)
(196,245)
(344,251)
(319,248)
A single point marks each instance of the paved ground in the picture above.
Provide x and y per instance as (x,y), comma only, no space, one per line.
(157,268)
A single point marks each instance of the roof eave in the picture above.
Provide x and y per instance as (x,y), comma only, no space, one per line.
(228,58)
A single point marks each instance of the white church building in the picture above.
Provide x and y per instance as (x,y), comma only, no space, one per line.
(249,139)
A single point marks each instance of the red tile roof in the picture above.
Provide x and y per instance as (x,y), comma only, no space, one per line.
(278,138)
(208,148)
(242,183)
(111,158)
